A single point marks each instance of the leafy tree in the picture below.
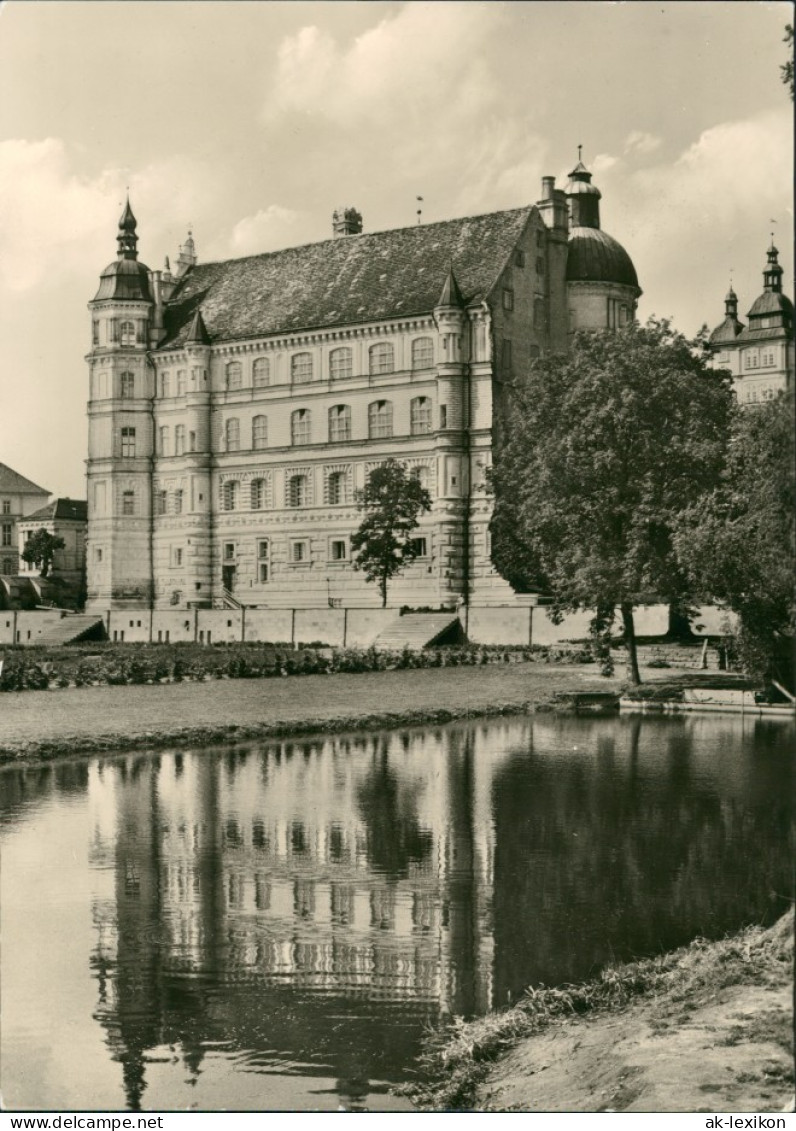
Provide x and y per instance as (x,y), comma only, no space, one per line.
(605,445)
(392,501)
(40,550)
(787,68)
(737,543)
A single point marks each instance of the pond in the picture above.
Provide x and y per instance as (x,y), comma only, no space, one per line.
(277,925)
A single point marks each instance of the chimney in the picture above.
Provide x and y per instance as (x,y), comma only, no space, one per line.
(548,183)
(346,222)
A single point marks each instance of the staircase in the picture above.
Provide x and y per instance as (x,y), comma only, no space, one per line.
(416,631)
(227,600)
(72,628)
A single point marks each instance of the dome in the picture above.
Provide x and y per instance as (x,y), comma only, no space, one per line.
(595,257)
(728,331)
(771,302)
(124,279)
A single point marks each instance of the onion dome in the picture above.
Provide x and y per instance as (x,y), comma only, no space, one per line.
(595,257)
(125,278)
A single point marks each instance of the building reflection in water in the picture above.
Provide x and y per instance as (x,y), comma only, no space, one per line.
(314,905)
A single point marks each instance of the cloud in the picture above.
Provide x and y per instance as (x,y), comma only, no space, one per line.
(58,221)
(267,230)
(638,141)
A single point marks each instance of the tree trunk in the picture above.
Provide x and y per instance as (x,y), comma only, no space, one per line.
(383,587)
(630,644)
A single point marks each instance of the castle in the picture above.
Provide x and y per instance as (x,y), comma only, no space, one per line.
(236,407)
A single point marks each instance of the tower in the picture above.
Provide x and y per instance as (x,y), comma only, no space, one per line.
(120,439)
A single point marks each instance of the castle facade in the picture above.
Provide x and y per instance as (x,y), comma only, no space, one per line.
(236,407)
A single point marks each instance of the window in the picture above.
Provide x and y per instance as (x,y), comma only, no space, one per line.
(420,547)
(299,552)
(339,423)
(300,426)
(95,332)
(98,554)
(338,550)
(128,502)
(379,420)
(381,358)
(422,475)
(229,495)
(752,359)
(6,506)
(182,382)
(259,494)
(261,373)
(177,556)
(260,432)
(161,502)
(127,333)
(519,258)
(6,533)
(301,368)
(164,441)
(508,299)
(341,363)
(179,496)
(443,416)
(505,355)
(165,385)
(297,491)
(191,441)
(420,416)
(179,440)
(229,551)
(539,265)
(337,488)
(234,375)
(422,353)
(128,443)
(127,385)
(232,434)
(263,560)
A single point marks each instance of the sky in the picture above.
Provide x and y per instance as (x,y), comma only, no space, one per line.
(251,122)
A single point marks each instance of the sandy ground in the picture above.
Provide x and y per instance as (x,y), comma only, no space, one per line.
(84,718)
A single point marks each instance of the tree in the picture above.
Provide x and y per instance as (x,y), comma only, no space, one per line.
(40,550)
(787,68)
(603,448)
(392,501)
(737,543)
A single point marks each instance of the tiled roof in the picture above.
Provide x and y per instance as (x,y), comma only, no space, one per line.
(359,278)
(75,510)
(15,484)
(727,331)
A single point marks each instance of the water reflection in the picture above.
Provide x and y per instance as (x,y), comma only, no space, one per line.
(303,910)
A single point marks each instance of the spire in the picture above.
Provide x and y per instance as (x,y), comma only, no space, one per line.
(127,239)
(197,331)
(187,256)
(772,275)
(731,303)
(451,295)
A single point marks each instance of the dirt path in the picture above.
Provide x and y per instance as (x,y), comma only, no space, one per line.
(47,723)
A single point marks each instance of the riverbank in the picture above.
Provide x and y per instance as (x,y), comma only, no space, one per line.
(707,1028)
(37,725)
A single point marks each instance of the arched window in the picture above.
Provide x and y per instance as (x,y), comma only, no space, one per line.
(420,416)
(301,368)
(232,434)
(337,488)
(339,423)
(422,353)
(341,363)
(379,420)
(381,358)
(259,494)
(300,426)
(260,432)
(127,333)
(261,373)
(230,495)
(165,385)
(297,491)
(182,382)
(234,375)
(179,439)
(127,383)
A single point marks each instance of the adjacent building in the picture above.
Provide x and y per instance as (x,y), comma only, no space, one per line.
(65,519)
(760,354)
(236,407)
(19,498)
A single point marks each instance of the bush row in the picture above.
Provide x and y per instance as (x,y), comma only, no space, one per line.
(31,669)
